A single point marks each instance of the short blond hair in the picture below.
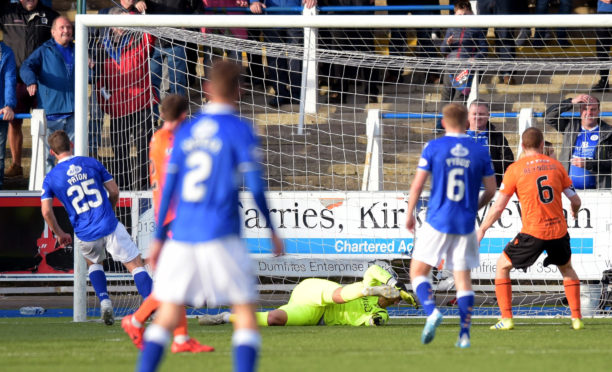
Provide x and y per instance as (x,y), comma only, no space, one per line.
(532,138)
(455,115)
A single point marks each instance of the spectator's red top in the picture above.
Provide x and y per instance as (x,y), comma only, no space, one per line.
(124,85)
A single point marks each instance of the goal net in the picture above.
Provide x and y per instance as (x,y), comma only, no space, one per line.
(343,115)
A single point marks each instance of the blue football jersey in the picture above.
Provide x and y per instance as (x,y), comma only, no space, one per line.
(457,165)
(585,147)
(481,137)
(203,174)
(78,182)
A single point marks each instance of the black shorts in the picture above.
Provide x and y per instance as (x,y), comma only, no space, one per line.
(524,250)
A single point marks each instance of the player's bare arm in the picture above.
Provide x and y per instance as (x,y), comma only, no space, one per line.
(575,203)
(278,247)
(47,212)
(255,185)
(490,186)
(154,252)
(113,192)
(415,193)
(493,215)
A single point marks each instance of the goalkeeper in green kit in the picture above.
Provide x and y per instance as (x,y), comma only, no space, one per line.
(323,302)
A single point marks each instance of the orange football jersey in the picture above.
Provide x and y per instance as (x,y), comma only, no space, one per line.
(160,149)
(539,182)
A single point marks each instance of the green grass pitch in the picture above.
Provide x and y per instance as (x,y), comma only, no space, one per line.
(57,344)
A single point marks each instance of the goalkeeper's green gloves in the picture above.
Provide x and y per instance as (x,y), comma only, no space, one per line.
(408,298)
(405,294)
(376,320)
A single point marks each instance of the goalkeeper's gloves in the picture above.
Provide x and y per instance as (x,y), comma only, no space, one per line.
(376,320)
(408,298)
(405,294)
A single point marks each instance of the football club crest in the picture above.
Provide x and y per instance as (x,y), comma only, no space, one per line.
(459,151)
(74,170)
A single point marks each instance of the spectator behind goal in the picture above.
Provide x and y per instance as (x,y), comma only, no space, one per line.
(505,46)
(237,32)
(461,43)
(172,51)
(587,142)
(352,40)
(485,133)
(285,73)
(8,100)
(96,49)
(125,93)
(398,45)
(25,26)
(49,75)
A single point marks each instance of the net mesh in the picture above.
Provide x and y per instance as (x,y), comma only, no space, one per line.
(314,174)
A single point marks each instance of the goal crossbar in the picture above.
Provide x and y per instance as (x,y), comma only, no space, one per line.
(345,21)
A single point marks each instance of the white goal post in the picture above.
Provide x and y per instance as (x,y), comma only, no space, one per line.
(350,171)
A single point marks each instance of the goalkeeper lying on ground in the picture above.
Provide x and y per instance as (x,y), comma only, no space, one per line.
(322,302)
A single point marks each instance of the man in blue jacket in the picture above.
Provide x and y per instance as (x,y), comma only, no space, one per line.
(49,74)
(8,99)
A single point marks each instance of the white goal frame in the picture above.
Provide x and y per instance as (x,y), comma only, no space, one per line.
(310,22)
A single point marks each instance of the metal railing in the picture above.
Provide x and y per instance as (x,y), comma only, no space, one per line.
(20,116)
(38,131)
(415,115)
(350,9)
(373,167)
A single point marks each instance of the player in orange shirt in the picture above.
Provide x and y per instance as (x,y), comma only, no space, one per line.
(174,112)
(538,181)
(160,149)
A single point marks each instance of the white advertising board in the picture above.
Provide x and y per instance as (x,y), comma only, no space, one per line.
(360,227)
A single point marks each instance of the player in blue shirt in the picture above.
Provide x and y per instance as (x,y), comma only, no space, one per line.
(205,260)
(458,167)
(80,183)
